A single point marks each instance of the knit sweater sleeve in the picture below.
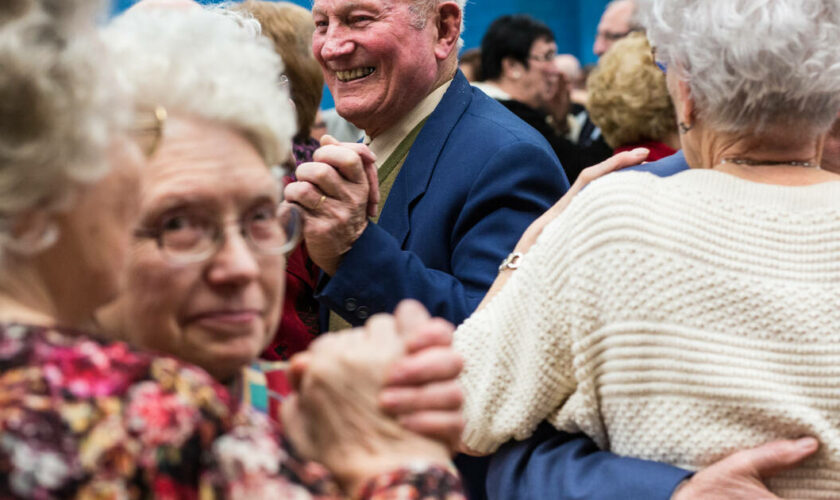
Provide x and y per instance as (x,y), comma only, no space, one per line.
(518,348)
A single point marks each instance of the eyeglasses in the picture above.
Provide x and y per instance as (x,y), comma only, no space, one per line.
(547,57)
(187,237)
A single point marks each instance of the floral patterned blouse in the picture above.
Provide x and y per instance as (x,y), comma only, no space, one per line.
(84,419)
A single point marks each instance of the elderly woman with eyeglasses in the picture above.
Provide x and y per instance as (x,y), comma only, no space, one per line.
(84,418)
(681,319)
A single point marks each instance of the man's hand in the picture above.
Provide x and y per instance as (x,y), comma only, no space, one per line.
(337,191)
(422,391)
(741,474)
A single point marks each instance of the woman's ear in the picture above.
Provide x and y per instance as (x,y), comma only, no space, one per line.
(512,69)
(685,105)
(30,233)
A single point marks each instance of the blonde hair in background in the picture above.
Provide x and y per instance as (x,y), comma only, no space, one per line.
(290,28)
(628,96)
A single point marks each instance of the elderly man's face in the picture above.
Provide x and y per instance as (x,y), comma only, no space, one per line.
(614,25)
(376,62)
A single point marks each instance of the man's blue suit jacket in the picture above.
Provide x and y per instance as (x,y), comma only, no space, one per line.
(553,465)
(473,181)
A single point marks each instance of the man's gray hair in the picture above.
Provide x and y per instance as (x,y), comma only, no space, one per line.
(634,22)
(421,9)
(752,63)
(58,104)
(210,63)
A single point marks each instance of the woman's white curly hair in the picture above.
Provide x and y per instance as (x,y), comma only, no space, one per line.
(753,63)
(210,63)
(58,103)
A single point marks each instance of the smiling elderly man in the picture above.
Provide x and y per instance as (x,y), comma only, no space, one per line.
(460,177)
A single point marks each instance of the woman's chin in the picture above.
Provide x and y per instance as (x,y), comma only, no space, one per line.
(226,366)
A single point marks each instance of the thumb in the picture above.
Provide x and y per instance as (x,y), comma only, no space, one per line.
(297,369)
(328,140)
(772,458)
(410,316)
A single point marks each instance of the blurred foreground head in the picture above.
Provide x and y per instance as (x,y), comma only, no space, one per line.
(64,212)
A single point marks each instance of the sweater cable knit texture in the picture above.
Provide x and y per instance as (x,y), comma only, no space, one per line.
(672,319)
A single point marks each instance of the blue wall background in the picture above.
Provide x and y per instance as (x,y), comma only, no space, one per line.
(573,21)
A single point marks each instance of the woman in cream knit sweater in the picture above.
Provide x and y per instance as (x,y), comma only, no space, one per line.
(680,319)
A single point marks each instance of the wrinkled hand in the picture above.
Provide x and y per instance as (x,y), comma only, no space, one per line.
(741,474)
(337,192)
(422,390)
(335,417)
(587,175)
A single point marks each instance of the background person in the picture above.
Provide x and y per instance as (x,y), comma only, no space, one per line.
(570,66)
(629,101)
(750,171)
(470,65)
(517,60)
(617,21)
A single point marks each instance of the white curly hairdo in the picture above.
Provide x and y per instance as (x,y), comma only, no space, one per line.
(58,104)
(752,63)
(210,63)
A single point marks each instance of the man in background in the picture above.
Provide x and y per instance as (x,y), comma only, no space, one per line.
(617,21)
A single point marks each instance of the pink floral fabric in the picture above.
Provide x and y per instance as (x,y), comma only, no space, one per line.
(84,419)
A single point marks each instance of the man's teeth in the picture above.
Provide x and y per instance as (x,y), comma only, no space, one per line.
(353,74)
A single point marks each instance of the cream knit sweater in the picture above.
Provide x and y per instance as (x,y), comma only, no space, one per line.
(675,320)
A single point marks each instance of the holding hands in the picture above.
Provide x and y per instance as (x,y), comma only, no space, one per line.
(336,417)
(337,193)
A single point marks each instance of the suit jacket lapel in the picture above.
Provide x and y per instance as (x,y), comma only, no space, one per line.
(416,172)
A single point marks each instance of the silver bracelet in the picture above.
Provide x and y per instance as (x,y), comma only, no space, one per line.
(511,261)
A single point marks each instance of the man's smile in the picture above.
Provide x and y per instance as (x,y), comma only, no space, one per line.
(354,74)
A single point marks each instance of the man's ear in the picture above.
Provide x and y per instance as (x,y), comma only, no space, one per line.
(448,29)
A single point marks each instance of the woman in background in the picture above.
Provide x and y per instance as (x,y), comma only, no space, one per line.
(629,100)
(518,70)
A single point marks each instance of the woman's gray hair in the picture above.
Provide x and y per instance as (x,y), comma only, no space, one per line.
(211,63)
(58,104)
(752,63)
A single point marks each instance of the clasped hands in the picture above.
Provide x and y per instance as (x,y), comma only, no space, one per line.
(336,192)
(375,399)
